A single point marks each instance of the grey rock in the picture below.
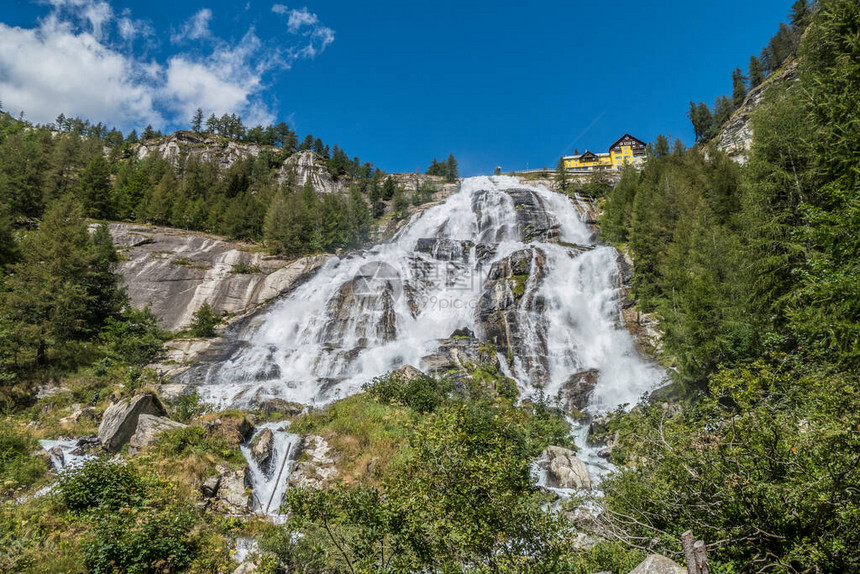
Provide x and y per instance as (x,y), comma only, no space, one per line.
(317,467)
(575,393)
(308,166)
(275,405)
(564,470)
(233,495)
(175,272)
(58,459)
(658,564)
(407,373)
(261,448)
(149,428)
(120,420)
(209,488)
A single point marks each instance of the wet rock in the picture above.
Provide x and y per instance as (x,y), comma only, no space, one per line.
(86,445)
(465,332)
(120,420)
(261,448)
(58,458)
(373,294)
(445,249)
(564,470)
(658,564)
(575,393)
(510,298)
(149,428)
(534,221)
(274,405)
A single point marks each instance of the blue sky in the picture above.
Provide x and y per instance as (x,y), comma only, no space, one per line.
(515,84)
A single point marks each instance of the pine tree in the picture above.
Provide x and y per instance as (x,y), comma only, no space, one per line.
(739,88)
(389,187)
(800,14)
(452,170)
(197,121)
(400,205)
(756,72)
(95,189)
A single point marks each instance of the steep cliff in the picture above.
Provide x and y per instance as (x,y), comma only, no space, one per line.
(735,137)
(175,272)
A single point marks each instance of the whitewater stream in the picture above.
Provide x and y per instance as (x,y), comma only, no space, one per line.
(498,262)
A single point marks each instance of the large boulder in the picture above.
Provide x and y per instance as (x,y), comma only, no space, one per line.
(149,428)
(262,447)
(657,564)
(232,491)
(564,470)
(317,466)
(233,427)
(120,420)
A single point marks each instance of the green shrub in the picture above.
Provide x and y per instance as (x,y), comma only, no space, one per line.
(141,540)
(101,484)
(423,394)
(134,338)
(243,268)
(188,407)
(17,467)
(194,440)
(205,321)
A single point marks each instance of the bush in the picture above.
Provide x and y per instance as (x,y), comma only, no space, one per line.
(205,321)
(422,393)
(188,407)
(101,484)
(135,337)
(141,541)
(17,467)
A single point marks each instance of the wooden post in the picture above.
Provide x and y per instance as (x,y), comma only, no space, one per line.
(687,542)
(701,555)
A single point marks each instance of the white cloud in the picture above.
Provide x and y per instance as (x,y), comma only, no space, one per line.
(79,60)
(301,18)
(307,24)
(53,69)
(196,28)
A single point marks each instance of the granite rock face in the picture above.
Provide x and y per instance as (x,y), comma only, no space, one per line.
(175,272)
(176,148)
(658,564)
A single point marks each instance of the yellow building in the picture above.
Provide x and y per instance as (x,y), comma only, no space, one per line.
(627,150)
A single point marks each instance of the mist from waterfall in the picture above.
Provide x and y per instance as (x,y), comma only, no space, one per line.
(371,312)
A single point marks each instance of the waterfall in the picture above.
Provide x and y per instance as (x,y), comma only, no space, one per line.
(269,482)
(514,264)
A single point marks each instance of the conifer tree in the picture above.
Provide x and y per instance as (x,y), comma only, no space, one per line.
(739,89)
(756,72)
(561,177)
(197,121)
(452,170)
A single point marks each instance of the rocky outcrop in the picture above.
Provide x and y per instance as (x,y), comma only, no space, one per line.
(261,449)
(175,272)
(533,219)
(658,564)
(509,300)
(233,429)
(317,466)
(374,294)
(230,490)
(120,419)
(307,166)
(735,137)
(180,146)
(575,393)
(149,428)
(563,469)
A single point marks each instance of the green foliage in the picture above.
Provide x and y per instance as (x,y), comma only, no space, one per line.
(205,319)
(134,337)
(188,407)
(449,169)
(421,393)
(243,268)
(17,468)
(101,485)
(193,440)
(141,540)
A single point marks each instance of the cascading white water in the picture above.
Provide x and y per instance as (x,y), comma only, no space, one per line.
(270,483)
(371,312)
